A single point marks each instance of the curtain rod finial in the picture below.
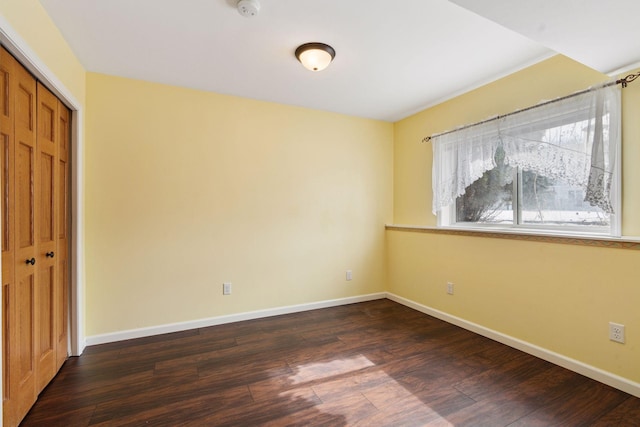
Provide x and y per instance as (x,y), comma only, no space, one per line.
(628,79)
(426,139)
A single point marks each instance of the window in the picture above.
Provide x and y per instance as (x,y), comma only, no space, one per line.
(549,168)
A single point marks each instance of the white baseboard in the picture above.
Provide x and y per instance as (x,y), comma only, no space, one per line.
(589,371)
(220,320)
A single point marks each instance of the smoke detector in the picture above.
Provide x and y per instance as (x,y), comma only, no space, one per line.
(248,8)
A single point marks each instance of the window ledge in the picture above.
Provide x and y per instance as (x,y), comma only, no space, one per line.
(624,242)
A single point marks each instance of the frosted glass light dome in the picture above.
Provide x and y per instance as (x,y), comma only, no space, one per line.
(315,56)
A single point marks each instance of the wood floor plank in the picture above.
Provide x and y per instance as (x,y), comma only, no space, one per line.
(169,408)
(338,389)
(80,417)
(519,367)
(627,414)
(278,407)
(376,363)
(584,404)
(335,413)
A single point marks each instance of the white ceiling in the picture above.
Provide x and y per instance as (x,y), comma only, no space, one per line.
(393,58)
(603,35)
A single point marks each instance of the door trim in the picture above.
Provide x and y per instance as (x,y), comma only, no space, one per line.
(19,48)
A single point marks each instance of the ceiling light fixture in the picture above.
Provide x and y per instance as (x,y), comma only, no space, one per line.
(315,56)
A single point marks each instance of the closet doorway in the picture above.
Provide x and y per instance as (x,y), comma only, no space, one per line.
(34,166)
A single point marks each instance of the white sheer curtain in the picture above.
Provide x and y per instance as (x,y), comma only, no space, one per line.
(574,139)
(460,158)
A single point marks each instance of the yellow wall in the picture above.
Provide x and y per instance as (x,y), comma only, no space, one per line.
(189,189)
(557,296)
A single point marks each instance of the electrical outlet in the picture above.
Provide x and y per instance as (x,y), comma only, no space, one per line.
(616,332)
(226,288)
(349,275)
(450,288)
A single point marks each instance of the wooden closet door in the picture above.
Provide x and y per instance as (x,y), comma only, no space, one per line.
(61,291)
(46,235)
(7,152)
(34,173)
(19,296)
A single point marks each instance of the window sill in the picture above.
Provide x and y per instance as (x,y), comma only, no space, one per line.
(624,242)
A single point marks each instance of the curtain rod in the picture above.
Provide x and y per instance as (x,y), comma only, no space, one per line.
(623,81)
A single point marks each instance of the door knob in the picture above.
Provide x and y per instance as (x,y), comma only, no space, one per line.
(31,261)
(50,254)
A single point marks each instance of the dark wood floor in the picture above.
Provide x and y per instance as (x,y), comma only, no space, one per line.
(371,364)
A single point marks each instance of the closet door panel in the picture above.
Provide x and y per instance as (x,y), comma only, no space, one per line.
(7,153)
(8,285)
(62,207)
(21,314)
(25,296)
(47,138)
(25,195)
